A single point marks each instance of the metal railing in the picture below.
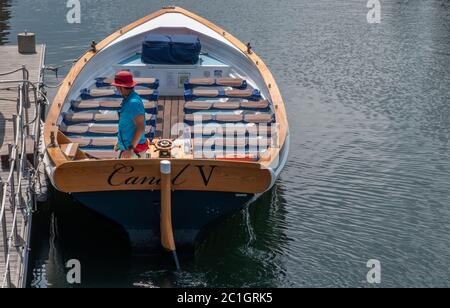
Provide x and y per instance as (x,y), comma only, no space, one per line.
(17,195)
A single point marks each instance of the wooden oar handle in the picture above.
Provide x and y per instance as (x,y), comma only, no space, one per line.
(167,238)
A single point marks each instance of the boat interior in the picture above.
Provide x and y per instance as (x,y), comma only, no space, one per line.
(209,105)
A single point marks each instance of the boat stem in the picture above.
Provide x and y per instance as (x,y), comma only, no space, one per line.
(167,238)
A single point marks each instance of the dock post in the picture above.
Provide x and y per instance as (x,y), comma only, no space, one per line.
(26,42)
(167,238)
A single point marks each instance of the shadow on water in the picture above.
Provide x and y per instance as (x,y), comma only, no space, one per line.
(249,244)
(5,15)
(69,231)
(245,242)
(242,250)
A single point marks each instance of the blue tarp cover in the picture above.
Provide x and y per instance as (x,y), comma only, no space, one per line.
(171,49)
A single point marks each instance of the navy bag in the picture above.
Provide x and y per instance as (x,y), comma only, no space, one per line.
(171,49)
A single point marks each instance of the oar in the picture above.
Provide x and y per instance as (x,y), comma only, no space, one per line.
(167,238)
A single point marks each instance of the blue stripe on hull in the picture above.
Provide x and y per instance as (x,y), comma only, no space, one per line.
(138,213)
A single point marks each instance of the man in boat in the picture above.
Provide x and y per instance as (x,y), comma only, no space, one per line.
(131,137)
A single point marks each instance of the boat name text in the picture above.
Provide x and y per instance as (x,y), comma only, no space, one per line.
(124,175)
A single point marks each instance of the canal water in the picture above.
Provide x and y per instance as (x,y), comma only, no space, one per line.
(369,170)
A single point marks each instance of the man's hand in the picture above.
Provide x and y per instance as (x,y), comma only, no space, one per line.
(127,154)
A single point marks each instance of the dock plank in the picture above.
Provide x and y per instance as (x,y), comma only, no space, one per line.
(10,60)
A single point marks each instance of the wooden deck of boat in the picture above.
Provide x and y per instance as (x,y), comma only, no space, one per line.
(170,113)
(10,60)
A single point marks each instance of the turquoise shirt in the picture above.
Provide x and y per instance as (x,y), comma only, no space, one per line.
(131,107)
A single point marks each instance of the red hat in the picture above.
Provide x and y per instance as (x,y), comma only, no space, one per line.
(124,79)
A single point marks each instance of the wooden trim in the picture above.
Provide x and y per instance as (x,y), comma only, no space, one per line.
(143,174)
(56,154)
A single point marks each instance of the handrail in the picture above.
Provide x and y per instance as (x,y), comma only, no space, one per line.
(19,171)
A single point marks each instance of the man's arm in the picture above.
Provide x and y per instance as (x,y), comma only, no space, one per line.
(139,121)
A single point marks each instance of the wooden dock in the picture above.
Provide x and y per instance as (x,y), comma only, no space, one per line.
(11,60)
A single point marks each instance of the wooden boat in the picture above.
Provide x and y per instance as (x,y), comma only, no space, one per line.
(229,90)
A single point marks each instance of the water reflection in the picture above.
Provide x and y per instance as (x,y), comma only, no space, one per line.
(227,256)
(244,250)
(5,15)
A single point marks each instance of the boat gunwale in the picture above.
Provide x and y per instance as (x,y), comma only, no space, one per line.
(55,153)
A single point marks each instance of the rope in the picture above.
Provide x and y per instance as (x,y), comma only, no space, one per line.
(52,67)
(12,72)
(57,68)
(53,86)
